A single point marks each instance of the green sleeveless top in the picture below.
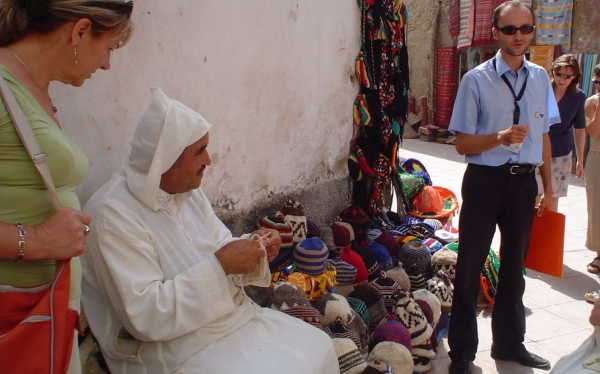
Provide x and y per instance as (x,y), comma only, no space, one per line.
(23,194)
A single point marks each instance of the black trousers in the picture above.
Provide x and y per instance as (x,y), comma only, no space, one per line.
(492,196)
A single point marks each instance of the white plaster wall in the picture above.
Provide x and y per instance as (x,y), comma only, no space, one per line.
(275,77)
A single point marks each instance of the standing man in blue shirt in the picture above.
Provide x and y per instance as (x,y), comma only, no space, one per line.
(501,118)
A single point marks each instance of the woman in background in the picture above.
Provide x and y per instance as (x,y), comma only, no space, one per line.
(592,174)
(571,100)
(43,41)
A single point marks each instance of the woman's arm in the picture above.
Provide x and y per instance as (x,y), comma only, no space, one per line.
(60,236)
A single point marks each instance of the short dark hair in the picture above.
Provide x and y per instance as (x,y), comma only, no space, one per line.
(512,3)
(597,70)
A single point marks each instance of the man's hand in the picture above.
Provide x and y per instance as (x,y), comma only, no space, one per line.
(514,134)
(271,240)
(240,256)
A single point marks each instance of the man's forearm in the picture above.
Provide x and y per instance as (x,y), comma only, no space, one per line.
(472,144)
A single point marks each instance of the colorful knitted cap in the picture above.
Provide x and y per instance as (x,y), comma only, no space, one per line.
(382,256)
(279,224)
(370,262)
(391,331)
(310,256)
(388,289)
(341,235)
(345,273)
(359,220)
(354,259)
(360,308)
(415,258)
(432,244)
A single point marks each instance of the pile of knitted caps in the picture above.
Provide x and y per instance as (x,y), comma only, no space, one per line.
(381,287)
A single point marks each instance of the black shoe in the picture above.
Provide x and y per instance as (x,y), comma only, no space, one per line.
(460,367)
(524,358)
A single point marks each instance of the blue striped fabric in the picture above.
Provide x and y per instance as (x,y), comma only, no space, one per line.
(587,62)
(553,20)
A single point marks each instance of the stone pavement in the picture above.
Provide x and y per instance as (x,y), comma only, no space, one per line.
(557,314)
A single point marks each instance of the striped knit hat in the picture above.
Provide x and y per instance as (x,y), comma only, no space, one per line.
(349,357)
(391,331)
(307,314)
(388,288)
(310,256)
(345,276)
(285,230)
(360,308)
(354,259)
(341,332)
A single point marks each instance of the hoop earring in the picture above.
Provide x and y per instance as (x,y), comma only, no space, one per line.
(75,54)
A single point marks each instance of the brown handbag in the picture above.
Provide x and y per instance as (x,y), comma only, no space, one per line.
(36,324)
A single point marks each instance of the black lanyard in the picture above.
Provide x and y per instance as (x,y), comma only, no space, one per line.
(517,111)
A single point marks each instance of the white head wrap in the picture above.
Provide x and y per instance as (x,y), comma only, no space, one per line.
(162,134)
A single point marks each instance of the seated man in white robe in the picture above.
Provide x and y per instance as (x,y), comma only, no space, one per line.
(163,276)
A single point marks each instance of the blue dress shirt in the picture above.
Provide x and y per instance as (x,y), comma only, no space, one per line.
(485,105)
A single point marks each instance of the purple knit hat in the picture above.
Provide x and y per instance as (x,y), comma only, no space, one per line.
(391,331)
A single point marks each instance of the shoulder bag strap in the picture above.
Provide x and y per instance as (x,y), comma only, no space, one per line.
(29,140)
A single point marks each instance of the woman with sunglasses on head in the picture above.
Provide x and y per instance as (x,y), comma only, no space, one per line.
(592,174)
(43,41)
(570,99)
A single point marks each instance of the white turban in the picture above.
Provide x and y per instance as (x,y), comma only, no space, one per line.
(162,134)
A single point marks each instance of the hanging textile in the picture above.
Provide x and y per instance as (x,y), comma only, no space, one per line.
(553,19)
(381,106)
(484,11)
(447,84)
(467,19)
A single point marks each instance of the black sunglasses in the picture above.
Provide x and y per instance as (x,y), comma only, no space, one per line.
(124,6)
(512,30)
(564,76)
(595,81)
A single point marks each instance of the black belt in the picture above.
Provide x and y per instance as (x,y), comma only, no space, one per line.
(518,168)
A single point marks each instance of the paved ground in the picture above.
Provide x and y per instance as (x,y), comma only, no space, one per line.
(557,314)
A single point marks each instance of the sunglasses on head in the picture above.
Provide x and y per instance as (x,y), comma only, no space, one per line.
(124,6)
(512,30)
(595,81)
(564,76)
